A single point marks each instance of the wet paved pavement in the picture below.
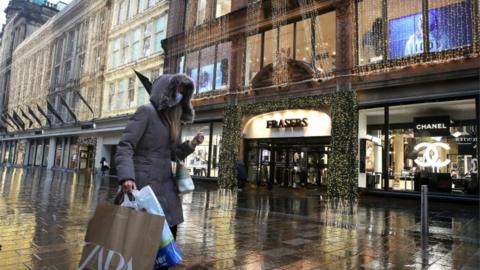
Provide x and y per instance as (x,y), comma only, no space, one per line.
(43,217)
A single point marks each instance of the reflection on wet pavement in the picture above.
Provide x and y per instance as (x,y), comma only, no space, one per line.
(43,218)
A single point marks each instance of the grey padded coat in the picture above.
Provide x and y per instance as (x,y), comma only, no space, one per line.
(144,153)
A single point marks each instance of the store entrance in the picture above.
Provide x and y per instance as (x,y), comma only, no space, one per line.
(288,162)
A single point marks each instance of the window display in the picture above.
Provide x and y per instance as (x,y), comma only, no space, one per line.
(430,144)
(205,77)
(223,62)
(191,67)
(325,42)
(253,55)
(204,161)
(449,24)
(197,162)
(303,51)
(206,73)
(294,41)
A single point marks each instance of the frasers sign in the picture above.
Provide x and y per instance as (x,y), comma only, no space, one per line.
(431,126)
(287,124)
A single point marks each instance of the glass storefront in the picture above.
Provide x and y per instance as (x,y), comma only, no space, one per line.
(432,144)
(204,161)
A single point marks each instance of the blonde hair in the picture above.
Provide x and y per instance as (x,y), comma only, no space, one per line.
(172,116)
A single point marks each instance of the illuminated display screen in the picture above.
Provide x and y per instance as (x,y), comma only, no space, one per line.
(449,26)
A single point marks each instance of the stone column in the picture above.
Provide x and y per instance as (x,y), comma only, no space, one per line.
(51,153)
(343,173)
(99,153)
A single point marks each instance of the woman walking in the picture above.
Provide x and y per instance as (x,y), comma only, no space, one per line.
(150,143)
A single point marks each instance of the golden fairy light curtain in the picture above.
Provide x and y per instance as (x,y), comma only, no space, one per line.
(392,33)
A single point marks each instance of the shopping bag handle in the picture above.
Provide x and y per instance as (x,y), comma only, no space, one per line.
(120,197)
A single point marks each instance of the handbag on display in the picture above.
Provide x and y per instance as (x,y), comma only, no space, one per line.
(183,178)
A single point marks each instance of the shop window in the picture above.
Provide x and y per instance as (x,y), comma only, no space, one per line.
(294,42)
(303,46)
(223,7)
(253,55)
(405,28)
(197,162)
(430,144)
(269,47)
(181,64)
(205,77)
(192,66)
(285,48)
(370,31)
(371,145)
(449,23)
(222,67)
(325,42)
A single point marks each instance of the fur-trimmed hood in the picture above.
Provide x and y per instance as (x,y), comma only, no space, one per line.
(163,92)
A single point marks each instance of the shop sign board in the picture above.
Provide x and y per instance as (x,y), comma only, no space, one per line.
(431,126)
(288,124)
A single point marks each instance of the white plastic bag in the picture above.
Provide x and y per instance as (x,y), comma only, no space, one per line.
(169,254)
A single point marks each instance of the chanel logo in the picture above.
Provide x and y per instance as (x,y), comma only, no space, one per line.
(431,157)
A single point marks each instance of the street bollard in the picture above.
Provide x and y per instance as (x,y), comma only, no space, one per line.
(424,210)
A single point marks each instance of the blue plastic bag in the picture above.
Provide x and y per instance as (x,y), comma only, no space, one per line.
(169,253)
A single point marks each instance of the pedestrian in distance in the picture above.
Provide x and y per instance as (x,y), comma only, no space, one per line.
(241,174)
(104,165)
(150,144)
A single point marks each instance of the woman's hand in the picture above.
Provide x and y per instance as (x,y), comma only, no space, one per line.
(128,186)
(198,139)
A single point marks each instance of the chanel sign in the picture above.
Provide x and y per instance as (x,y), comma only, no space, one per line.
(431,126)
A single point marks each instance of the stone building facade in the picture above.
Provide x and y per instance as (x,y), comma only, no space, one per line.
(362,75)
(73,86)
(134,43)
(22,19)
(56,89)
